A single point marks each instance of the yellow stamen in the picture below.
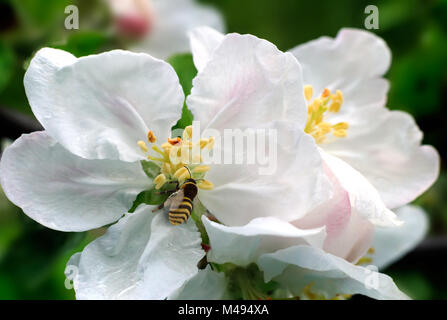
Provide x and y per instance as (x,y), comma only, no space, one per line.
(161,152)
(156,159)
(151,137)
(173,157)
(340,96)
(175,141)
(142,146)
(159,181)
(308,92)
(201,169)
(316,112)
(325,127)
(175,154)
(335,107)
(166,168)
(341,125)
(211,142)
(180,172)
(187,133)
(203,143)
(205,185)
(183,177)
(341,133)
(326,93)
(371,251)
(185,154)
(364,260)
(166,146)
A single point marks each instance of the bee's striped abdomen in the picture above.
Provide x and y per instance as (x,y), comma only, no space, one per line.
(182,213)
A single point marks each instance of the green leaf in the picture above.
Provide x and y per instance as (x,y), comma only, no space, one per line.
(29,260)
(151,197)
(6,65)
(38,14)
(83,43)
(186,71)
(151,169)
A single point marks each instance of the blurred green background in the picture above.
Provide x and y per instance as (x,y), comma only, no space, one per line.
(32,258)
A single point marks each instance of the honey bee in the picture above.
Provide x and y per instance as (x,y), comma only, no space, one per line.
(180,202)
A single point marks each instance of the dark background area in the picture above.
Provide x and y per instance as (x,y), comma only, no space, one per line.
(32,258)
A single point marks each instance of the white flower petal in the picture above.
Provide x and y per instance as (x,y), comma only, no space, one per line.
(365,200)
(247,82)
(66,192)
(99,106)
(173,19)
(243,245)
(296,267)
(349,235)
(385,147)
(353,62)
(297,170)
(141,257)
(391,244)
(203,42)
(205,285)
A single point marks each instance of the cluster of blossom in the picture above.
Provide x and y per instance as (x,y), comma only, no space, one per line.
(346,169)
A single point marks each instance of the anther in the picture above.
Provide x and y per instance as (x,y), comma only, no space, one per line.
(166,146)
(205,185)
(151,137)
(341,133)
(203,143)
(180,172)
(211,142)
(308,92)
(166,168)
(187,133)
(159,181)
(142,146)
(326,93)
(174,141)
(201,169)
(341,126)
(335,106)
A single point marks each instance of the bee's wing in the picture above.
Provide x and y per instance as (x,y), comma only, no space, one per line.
(175,199)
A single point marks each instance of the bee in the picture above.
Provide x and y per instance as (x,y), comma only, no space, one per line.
(180,202)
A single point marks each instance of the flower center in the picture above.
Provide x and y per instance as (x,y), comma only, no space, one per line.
(177,160)
(318,108)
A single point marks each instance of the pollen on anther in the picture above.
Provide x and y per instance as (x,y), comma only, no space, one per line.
(201,169)
(308,92)
(326,93)
(180,172)
(174,141)
(151,137)
(143,146)
(159,181)
(210,144)
(205,185)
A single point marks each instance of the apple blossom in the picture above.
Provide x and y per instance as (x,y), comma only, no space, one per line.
(384,146)
(356,208)
(346,94)
(160,26)
(102,112)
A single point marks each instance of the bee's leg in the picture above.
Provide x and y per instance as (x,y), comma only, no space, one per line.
(161,206)
(165,192)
